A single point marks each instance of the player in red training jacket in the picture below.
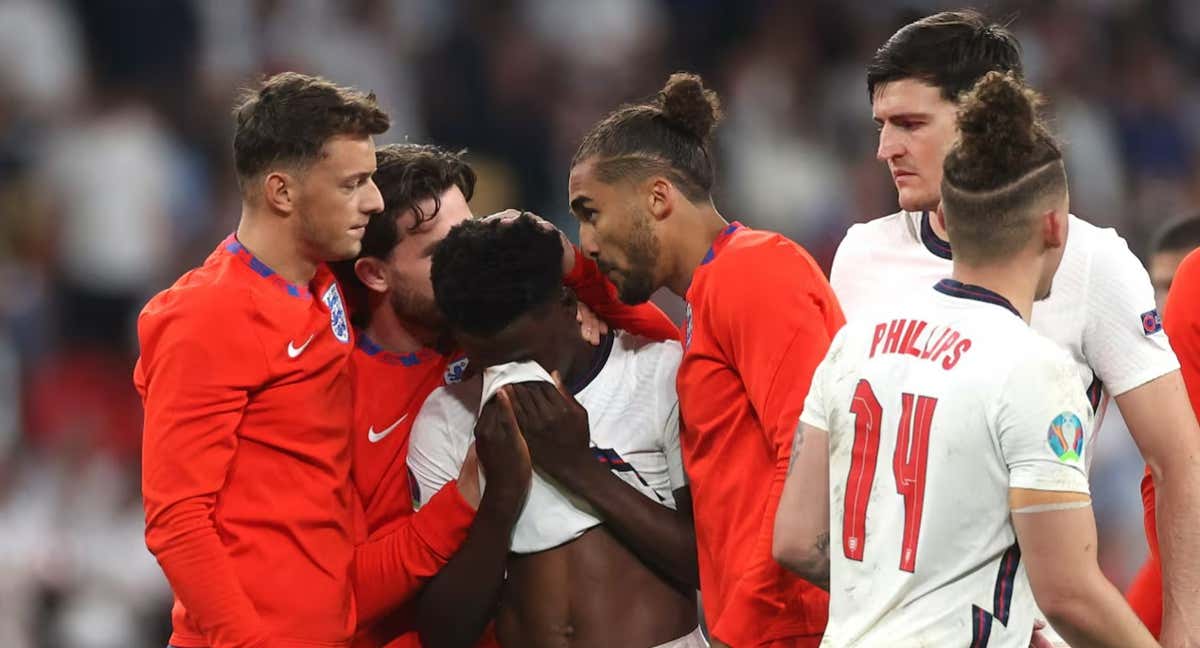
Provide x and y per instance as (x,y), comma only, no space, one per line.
(760,318)
(403,353)
(243,374)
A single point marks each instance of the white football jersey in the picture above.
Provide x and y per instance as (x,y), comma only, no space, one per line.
(1101,306)
(633,414)
(934,412)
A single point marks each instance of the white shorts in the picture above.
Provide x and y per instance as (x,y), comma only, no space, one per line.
(693,639)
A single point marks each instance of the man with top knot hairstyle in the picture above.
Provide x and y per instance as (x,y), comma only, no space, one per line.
(760,318)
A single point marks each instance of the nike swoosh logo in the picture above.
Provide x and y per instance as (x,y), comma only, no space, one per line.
(375,437)
(294,351)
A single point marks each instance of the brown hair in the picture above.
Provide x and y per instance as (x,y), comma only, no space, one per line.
(669,135)
(289,117)
(1004,168)
(406,174)
(950,50)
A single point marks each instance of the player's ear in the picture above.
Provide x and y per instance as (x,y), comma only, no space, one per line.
(661,197)
(1054,228)
(371,272)
(279,191)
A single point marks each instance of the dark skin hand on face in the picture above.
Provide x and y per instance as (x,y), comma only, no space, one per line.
(457,604)
(640,566)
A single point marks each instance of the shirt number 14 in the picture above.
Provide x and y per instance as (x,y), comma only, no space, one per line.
(908,465)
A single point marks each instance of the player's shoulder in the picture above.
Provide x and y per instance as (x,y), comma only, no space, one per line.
(884,228)
(850,345)
(746,246)
(753,260)
(448,407)
(650,364)
(1089,233)
(1098,247)
(893,229)
(1038,358)
(202,298)
(1099,262)
(647,349)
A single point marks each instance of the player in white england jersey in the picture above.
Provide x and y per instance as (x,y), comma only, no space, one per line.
(603,552)
(1102,310)
(938,482)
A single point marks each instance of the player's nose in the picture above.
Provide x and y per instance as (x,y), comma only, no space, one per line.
(889,145)
(373,200)
(587,241)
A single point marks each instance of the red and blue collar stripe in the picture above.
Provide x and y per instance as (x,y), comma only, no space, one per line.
(235,247)
(978,293)
(720,242)
(372,349)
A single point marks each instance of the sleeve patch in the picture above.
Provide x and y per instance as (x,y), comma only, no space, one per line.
(1066,437)
(1151,322)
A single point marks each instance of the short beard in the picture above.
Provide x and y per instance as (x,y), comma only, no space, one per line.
(638,285)
(418,312)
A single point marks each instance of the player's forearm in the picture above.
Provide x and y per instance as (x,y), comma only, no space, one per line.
(1092,614)
(391,568)
(457,604)
(1177,483)
(661,536)
(200,573)
(801,537)
(1162,422)
(807,558)
(595,291)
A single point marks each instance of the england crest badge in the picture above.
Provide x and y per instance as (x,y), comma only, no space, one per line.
(455,371)
(337,314)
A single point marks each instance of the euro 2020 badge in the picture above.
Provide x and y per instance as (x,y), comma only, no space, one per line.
(1066,437)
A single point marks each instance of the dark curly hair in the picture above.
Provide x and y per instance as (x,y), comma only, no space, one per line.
(486,274)
(1004,165)
(289,117)
(408,174)
(670,135)
(950,50)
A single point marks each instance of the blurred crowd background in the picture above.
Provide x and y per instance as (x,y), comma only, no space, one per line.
(116,176)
